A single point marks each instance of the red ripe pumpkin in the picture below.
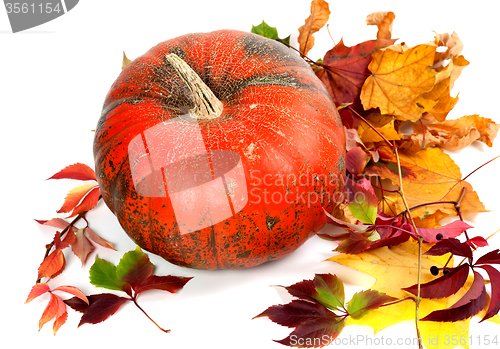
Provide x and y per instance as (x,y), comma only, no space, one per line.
(230,174)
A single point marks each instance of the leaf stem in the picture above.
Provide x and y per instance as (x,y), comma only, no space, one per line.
(134,299)
(399,301)
(48,247)
(419,239)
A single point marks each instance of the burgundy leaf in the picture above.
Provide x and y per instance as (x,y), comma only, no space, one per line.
(77,171)
(165,283)
(494,276)
(394,240)
(477,241)
(316,332)
(361,187)
(77,304)
(304,290)
(101,307)
(492,257)
(443,286)
(134,268)
(450,245)
(356,243)
(447,231)
(295,312)
(470,304)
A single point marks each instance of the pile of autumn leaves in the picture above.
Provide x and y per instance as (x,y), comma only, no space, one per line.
(398,188)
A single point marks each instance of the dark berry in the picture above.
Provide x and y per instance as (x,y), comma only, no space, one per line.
(446,271)
(434,270)
(439,236)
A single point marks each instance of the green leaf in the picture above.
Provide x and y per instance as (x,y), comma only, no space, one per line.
(362,200)
(103,274)
(134,268)
(265,30)
(330,290)
(362,302)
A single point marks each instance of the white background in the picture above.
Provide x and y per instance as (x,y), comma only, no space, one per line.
(53,80)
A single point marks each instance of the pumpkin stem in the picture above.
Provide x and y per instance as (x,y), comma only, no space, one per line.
(206,104)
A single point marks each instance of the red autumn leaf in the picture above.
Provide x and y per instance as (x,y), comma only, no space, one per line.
(50,311)
(72,290)
(99,240)
(82,246)
(356,243)
(61,314)
(89,202)
(494,306)
(356,160)
(477,241)
(168,283)
(308,332)
(54,222)
(65,242)
(74,197)
(345,69)
(101,306)
(304,289)
(134,268)
(450,245)
(37,290)
(470,304)
(53,265)
(295,312)
(77,171)
(443,286)
(492,257)
(450,230)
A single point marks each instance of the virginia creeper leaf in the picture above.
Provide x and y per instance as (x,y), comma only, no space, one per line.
(53,265)
(477,241)
(492,257)
(76,171)
(50,311)
(103,274)
(450,245)
(443,286)
(356,160)
(450,230)
(74,197)
(295,312)
(37,290)
(98,239)
(54,222)
(313,332)
(89,202)
(168,283)
(362,302)
(72,290)
(134,268)
(60,316)
(101,306)
(470,304)
(494,276)
(82,246)
(330,290)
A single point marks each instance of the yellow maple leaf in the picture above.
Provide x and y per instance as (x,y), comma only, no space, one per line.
(396,267)
(397,79)
(383,123)
(320,13)
(428,176)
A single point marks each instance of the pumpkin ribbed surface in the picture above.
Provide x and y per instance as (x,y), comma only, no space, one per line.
(232,191)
